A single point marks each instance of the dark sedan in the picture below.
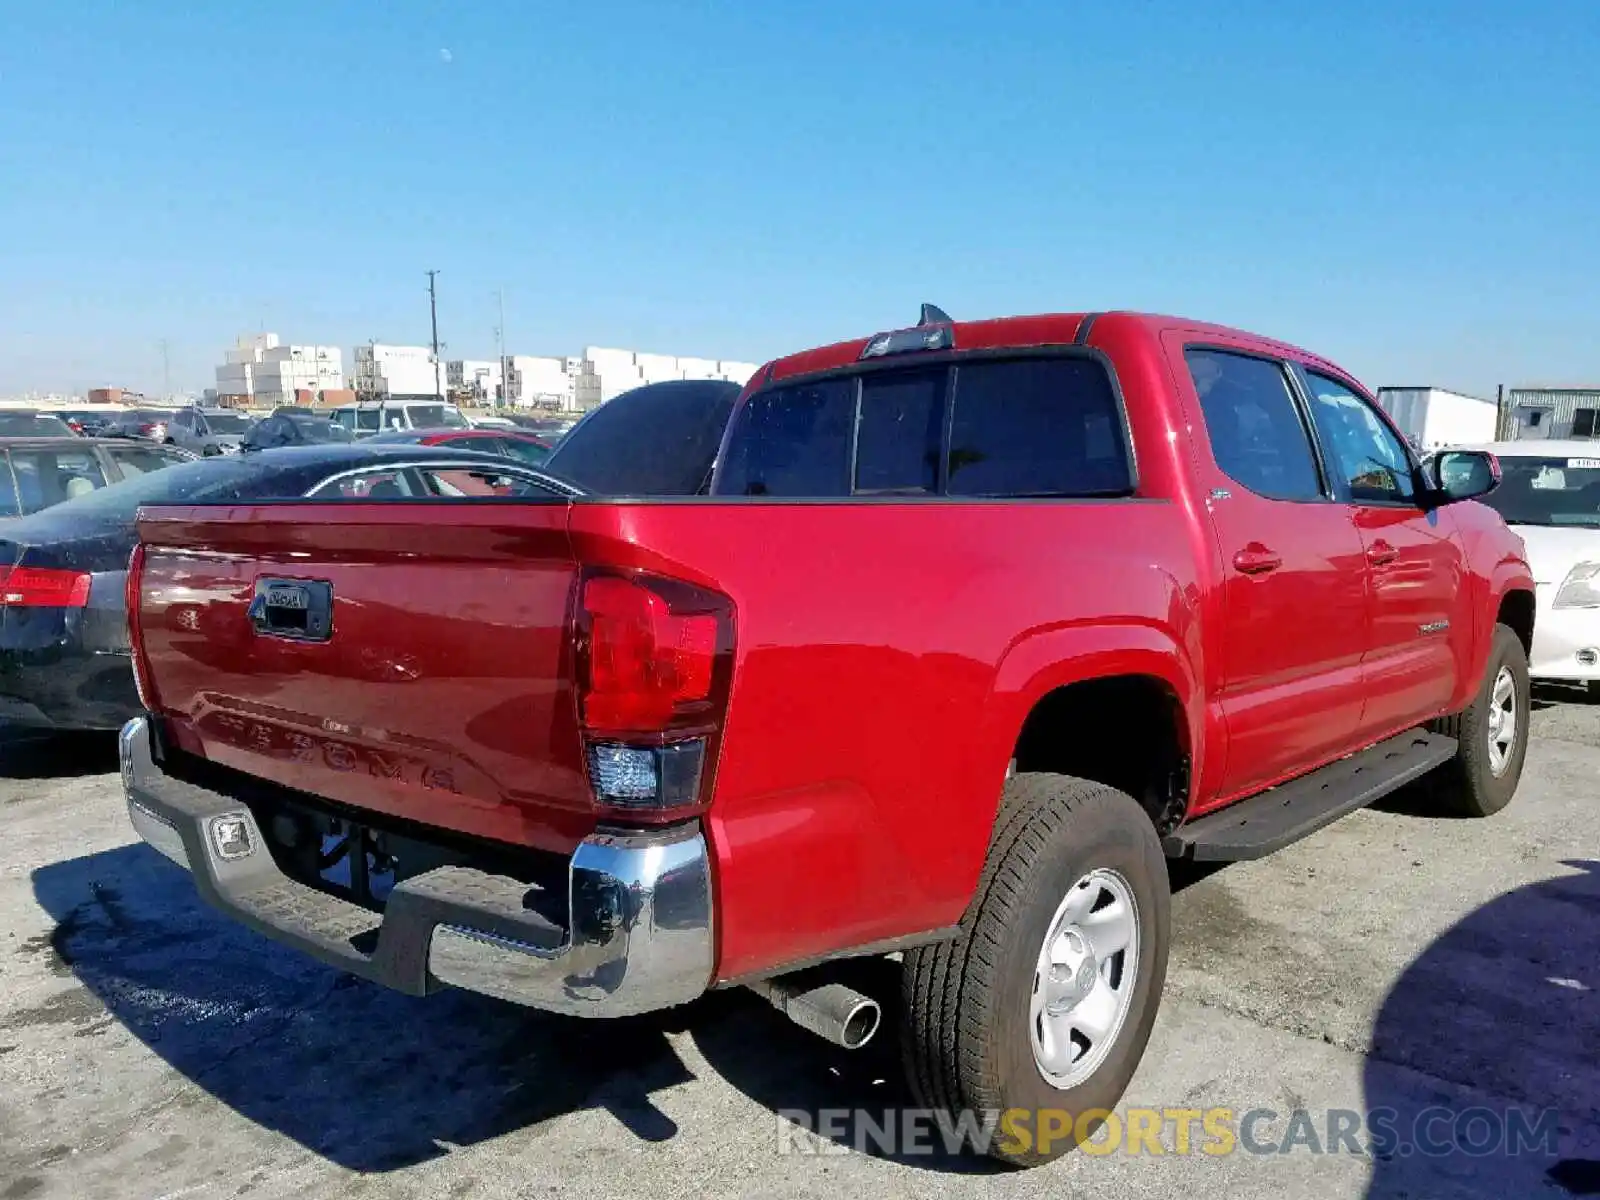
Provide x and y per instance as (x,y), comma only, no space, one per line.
(63,624)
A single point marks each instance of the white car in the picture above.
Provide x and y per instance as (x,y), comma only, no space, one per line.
(1549,493)
(383,416)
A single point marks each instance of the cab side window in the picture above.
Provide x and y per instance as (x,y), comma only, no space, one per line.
(1257,435)
(1366,454)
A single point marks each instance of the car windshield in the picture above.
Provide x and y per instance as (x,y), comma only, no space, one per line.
(219,478)
(1548,491)
(27,424)
(227,422)
(440,416)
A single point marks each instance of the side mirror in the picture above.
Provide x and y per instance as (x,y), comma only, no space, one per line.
(1462,475)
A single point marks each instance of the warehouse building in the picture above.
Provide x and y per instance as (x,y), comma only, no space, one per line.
(1549,412)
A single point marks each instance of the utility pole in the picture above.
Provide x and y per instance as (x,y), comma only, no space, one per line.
(433,313)
(166,372)
(500,338)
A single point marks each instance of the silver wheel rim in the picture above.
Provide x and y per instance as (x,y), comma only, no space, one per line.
(1084,979)
(1502,721)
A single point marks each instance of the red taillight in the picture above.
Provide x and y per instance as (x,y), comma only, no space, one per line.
(646,659)
(41,587)
(655,663)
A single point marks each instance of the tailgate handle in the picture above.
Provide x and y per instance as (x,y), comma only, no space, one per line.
(298,609)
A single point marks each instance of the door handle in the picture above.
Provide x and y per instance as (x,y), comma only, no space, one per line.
(1256,559)
(1381,552)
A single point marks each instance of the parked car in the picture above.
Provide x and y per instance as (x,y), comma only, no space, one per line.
(26,423)
(208,431)
(293,427)
(87,421)
(379,416)
(37,473)
(147,424)
(1550,495)
(508,443)
(657,440)
(63,620)
(947,670)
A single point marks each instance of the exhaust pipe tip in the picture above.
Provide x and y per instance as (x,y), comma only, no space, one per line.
(832,1011)
(860,1024)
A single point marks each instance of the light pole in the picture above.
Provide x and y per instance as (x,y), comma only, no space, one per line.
(433,315)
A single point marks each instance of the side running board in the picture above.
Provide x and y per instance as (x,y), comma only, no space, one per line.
(1258,825)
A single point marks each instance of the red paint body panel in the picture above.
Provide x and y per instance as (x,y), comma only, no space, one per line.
(886,653)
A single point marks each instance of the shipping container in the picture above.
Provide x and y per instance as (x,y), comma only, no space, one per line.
(1433,418)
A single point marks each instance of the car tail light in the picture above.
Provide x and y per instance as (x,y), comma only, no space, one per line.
(41,587)
(655,660)
(141,666)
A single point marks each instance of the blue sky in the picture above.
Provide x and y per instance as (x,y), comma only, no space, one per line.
(1410,188)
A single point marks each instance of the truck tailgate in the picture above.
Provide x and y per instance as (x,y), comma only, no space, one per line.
(440,690)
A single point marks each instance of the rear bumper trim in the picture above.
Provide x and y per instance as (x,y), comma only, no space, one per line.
(638,935)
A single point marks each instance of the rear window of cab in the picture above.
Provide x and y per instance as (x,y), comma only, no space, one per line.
(1033,426)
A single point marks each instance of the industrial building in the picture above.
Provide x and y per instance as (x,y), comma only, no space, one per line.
(604,373)
(261,371)
(1432,417)
(1549,412)
(474,380)
(396,372)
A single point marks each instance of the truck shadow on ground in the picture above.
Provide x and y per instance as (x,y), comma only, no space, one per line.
(41,754)
(377,1081)
(1499,1013)
(371,1079)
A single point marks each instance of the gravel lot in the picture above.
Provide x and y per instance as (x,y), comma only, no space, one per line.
(148,1048)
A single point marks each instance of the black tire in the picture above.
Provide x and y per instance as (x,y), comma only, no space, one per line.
(966,1039)
(1594,690)
(1467,785)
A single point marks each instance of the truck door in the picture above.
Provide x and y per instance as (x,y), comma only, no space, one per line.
(1294,623)
(1419,641)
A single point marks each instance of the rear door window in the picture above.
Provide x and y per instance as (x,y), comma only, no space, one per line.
(48,477)
(1258,437)
(1037,427)
(483,483)
(388,484)
(141,460)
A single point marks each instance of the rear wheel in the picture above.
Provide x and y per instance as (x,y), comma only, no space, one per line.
(1493,735)
(1045,1002)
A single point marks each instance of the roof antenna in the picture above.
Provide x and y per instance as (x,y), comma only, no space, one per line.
(932,314)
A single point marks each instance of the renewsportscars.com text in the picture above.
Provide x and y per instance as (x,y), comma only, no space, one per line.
(1374,1133)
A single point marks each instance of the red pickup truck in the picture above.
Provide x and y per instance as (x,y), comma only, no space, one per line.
(980,624)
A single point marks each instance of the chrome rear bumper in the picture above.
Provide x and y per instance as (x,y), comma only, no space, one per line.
(637,935)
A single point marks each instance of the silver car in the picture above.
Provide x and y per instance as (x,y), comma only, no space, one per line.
(208,431)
